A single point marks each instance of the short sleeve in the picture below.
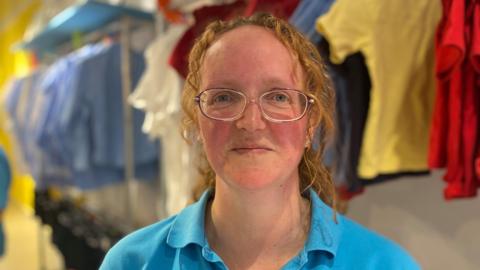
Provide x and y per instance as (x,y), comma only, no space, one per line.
(450,40)
(345,27)
(475,51)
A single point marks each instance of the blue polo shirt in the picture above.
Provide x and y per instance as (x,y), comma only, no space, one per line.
(179,242)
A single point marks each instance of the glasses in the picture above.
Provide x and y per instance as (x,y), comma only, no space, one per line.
(277,105)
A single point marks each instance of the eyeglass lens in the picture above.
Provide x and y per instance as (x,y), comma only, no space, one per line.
(225,104)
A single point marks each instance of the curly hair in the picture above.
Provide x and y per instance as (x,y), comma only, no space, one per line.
(312,171)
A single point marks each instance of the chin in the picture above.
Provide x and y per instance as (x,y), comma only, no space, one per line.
(253,180)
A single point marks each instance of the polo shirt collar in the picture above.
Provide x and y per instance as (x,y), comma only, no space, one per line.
(189,225)
(324,232)
(324,235)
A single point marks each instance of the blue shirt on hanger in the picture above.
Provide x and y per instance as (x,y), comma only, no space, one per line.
(69,120)
(96,125)
(59,99)
(306,14)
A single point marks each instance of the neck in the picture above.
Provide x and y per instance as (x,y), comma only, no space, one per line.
(270,223)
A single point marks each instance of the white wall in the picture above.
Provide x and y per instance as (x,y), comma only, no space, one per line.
(412,212)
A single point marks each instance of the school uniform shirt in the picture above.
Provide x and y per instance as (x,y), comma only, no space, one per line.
(22,103)
(178,59)
(179,242)
(454,133)
(96,125)
(158,93)
(207,14)
(396,39)
(59,99)
(70,121)
(352,91)
(305,16)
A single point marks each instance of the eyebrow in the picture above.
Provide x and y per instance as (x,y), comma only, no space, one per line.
(278,82)
(268,83)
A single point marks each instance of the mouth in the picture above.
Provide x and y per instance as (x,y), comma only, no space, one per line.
(251,149)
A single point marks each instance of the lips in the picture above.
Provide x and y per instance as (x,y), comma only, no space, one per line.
(251,149)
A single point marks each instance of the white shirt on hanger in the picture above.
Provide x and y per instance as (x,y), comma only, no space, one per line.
(158,94)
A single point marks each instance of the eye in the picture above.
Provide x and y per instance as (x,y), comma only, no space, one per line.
(278,97)
(222,98)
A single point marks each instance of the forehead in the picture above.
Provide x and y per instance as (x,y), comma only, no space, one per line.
(250,53)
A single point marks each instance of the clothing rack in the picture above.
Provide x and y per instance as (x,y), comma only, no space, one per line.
(127,118)
(57,36)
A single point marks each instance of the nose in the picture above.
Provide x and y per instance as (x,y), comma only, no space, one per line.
(252,118)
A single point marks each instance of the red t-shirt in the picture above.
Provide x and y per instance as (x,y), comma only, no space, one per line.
(475,60)
(454,134)
(449,48)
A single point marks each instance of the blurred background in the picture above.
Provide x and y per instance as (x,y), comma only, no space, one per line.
(90,147)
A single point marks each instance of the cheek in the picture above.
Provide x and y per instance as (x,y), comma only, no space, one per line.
(214,136)
(291,136)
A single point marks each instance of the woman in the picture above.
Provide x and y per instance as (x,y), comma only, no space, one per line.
(255,93)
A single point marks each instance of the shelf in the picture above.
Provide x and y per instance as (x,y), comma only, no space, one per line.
(83,18)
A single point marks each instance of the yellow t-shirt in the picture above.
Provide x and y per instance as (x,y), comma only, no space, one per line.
(397,39)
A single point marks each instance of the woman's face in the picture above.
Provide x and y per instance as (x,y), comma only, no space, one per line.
(252,153)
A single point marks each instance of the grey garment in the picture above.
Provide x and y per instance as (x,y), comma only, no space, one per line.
(352,89)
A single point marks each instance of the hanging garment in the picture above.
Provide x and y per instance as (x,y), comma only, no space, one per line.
(22,103)
(158,93)
(454,134)
(305,16)
(281,9)
(25,104)
(352,91)
(159,89)
(96,123)
(396,39)
(475,60)
(56,98)
(205,15)
(70,122)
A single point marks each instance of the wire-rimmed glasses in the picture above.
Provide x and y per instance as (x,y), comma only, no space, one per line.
(277,105)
